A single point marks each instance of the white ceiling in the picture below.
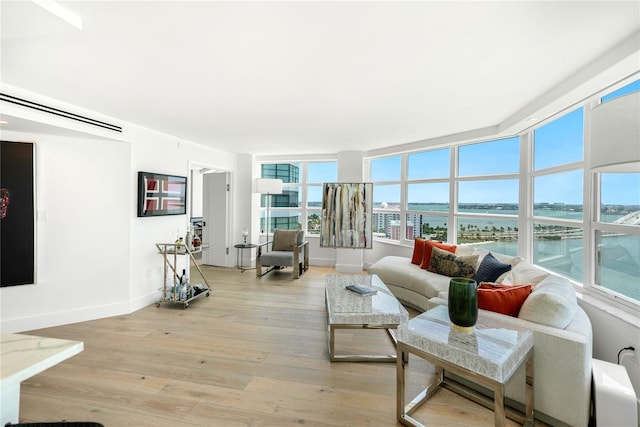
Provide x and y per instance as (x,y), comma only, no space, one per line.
(301,77)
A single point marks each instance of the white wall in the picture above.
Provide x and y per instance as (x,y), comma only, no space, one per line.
(82,234)
(95,258)
(324,256)
(162,153)
(614,330)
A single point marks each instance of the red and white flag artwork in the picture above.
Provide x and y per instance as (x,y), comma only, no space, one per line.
(162,194)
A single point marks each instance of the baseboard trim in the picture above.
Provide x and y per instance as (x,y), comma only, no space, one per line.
(349,268)
(58,318)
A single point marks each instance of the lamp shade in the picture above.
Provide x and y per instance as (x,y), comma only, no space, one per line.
(615,135)
(267,186)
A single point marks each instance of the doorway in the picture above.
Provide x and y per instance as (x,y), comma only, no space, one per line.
(210,208)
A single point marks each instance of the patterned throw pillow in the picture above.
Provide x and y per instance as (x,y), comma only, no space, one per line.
(449,264)
(428,247)
(490,269)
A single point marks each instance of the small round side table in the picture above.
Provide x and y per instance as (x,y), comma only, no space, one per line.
(240,247)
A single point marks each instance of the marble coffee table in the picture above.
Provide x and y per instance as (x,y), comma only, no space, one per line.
(350,310)
(488,356)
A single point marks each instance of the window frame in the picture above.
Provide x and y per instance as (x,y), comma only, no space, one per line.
(526,176)
(303,209)
(526,217)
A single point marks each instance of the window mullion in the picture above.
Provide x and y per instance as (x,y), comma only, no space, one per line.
(591,199)
(404,166)
(453,195)
(525,218)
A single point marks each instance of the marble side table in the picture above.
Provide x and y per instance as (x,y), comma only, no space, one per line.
(487,356)
(24,356)
(350,310)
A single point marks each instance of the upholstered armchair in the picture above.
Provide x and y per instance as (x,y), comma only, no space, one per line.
(287,249)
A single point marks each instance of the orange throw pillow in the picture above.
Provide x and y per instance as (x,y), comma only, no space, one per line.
(418,251)
(502,299)
(428,248)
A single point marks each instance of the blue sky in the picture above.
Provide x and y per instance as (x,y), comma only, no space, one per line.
(565,187)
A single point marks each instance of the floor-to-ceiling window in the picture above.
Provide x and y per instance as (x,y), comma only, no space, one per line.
(284,212)
(616,226)
(427,202)
(526,191)
(317,174)
(488,194)
(386,174)
(558,168)
(300,204)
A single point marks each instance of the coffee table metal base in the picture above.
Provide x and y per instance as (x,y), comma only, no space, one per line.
(360,357)
(497,404)
(350,310)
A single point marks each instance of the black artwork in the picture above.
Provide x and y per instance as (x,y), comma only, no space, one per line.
(17,246)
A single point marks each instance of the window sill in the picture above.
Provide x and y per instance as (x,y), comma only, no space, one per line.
(623,313)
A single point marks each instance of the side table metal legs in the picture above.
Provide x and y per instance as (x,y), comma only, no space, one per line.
(240,255)
(404,412)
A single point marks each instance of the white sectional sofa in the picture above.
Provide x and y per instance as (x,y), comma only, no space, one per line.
(562,330)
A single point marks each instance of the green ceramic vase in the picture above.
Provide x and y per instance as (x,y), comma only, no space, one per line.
(463,303)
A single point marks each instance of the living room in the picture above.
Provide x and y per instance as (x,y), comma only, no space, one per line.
(95,259)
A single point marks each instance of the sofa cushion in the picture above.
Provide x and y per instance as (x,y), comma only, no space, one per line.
(523,272)
(418,251)
(449,264)
(503,299)
(428,248)
(398,271)
(552,302)
(490,269)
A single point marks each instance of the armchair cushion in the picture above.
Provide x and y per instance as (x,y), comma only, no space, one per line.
(285,240)
(281,258)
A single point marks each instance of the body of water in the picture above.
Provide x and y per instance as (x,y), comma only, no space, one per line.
(559,249)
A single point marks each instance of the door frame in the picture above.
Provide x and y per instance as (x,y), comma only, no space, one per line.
(224,246)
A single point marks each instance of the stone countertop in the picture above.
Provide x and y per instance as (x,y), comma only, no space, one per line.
(24,356)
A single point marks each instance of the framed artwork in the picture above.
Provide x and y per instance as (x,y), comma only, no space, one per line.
(17,213)
(347,214)
(160,194)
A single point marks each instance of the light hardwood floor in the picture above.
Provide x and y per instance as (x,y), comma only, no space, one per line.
(254,353)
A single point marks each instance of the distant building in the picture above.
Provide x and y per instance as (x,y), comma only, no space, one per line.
(289,174)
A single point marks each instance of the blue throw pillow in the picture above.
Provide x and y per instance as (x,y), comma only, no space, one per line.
(490,269)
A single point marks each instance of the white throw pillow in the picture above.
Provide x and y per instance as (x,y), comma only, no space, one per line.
(465,250)
(552,302)
(523,273)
